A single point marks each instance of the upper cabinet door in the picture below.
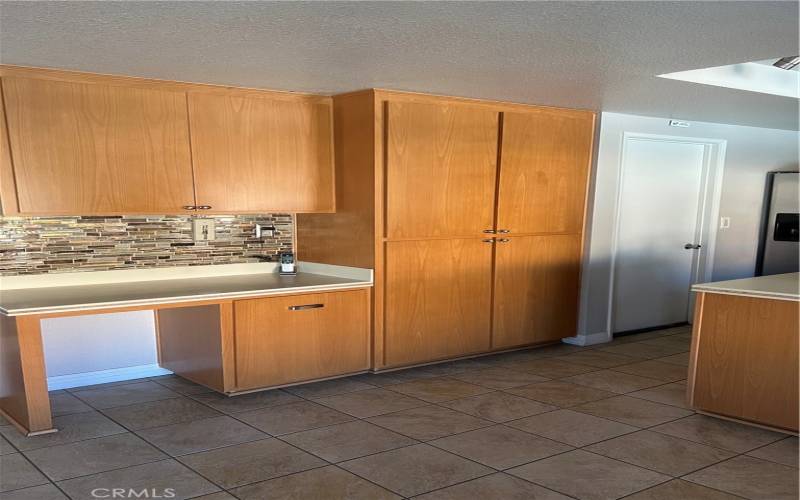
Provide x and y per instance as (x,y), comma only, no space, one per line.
(543,171)
(81,148)
(254,152)
(441,165)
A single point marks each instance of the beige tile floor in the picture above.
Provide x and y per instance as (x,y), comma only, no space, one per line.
(553,423)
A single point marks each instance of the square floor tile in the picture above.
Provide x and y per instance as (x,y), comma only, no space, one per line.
(751,478)
(43,492)
(200,435)
(588,476)
(438,389)
(498,378)
(5,447)
(415,469)
(328,388)
(449,368)
(633,411)
(336,443)
(160,413)
(180,385)
(246,402)
(221,495)
(18,473)
(95,455)
(500,447)
(642,350)
(571,427)
(428,422)
(655,369)
(671,342)
(680,490)
(125,394)
(387,378)
(661,453)
(681,359)
(251,462)
(719,433)
(671,394)
(551,368)
(498,406)
(167,478)
(599,359)
(325,482)
(295,417)
(64,403)
(560,393)
(496,486)
(607,380)
(104,385)
(370,402)
(71,428)
(783,452)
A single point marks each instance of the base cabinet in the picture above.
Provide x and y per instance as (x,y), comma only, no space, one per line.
(283,340)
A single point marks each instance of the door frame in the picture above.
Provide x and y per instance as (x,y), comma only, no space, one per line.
(707,216)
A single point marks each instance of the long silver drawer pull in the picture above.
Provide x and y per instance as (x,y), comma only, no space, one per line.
(306,306)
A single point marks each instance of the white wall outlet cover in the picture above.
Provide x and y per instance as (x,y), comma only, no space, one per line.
(679,123)
(203,229)
(724,222)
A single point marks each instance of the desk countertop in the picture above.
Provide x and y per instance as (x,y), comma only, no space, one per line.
(98,296)
(777,286)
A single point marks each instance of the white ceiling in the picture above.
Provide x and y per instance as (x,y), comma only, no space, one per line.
(598,55)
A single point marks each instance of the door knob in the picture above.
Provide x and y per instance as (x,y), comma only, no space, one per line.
(691,246)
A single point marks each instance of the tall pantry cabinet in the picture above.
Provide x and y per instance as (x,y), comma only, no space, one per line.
(471,213)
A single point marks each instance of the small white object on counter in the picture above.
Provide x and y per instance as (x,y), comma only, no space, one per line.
(66,292)
(777,286)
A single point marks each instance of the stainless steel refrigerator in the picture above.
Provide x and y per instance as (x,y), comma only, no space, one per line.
(779,249)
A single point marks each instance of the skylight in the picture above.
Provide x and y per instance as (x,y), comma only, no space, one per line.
(756,76)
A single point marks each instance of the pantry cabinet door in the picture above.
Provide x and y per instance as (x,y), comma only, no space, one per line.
(544,169)
(438,299)
(90,148)
(537,281)
(441,164)
(255,152)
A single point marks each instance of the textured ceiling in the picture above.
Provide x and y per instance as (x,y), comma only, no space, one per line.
(598,55)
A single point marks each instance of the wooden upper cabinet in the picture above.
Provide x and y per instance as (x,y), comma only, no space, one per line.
(441,165)
(537,280)
(543,171)
(90,148)
(255,152)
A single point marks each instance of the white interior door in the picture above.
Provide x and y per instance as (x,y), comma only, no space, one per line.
(659,214)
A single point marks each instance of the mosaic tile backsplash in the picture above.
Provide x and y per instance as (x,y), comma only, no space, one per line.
(36,245)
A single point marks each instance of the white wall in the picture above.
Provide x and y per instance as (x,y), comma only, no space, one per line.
(751,153)
(84,350)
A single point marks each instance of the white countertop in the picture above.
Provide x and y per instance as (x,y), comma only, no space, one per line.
(777,286)
(21,296)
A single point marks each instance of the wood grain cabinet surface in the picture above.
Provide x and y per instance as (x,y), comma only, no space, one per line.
(86,144)
(81,148)
(283,340)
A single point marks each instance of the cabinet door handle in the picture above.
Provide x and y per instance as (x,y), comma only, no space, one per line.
(488,240)
(503,231)
(306,306)
(189,207)
(504,240)
(489,231)
(204,207)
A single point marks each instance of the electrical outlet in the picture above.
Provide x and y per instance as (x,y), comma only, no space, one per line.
(203,229)
(263,231)
(724,222)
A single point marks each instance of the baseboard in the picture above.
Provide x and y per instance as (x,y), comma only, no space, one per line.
(105,376)
(591,339)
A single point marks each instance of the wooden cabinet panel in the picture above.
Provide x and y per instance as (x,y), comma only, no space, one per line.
(255,152)
(543,171)
(282,340)
(536,289)
(98,149)
(745,359)
(8,186)
(441,164)
(438,299)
